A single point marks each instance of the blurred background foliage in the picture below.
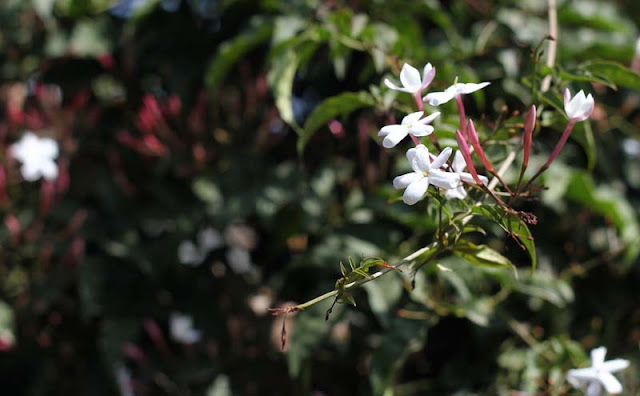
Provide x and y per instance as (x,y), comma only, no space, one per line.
(218,158)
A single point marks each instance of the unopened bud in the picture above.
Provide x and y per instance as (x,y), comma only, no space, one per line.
(466,154)
(473,138)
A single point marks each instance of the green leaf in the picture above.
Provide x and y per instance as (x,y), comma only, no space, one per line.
(520,230)
(281,80)
(513,225)
(481,255)
(610,203)
(257,32)
(614,72)
(331,108)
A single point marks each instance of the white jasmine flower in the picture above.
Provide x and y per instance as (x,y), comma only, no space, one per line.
(411,124)
(37,156)
(438,98)
(578,108)
(424,173)
(458,166)
(181,329)
(599,375)
(411,81)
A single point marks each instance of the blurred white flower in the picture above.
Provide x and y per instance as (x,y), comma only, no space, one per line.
(239,260)
(260,303)
(209,239)
(411,124)
(424,173)
(411,81)
(599,375)
(631,147)
(181,329)
(458,166)
(438,98)
(193,255)
(578,108)
(37,156)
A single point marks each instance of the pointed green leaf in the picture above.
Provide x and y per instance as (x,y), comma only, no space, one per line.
(614,72)
(481,255)
(520,230)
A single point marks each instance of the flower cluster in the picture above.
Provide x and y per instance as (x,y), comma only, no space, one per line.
(435,169)
(428,168)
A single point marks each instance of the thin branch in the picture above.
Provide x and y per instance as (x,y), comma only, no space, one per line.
(553,43)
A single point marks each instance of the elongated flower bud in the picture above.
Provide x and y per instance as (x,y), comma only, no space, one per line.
(466,154)
(529,125)
(473,138)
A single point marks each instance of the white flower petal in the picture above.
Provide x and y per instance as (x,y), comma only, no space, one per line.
(467,88)
(412,118)
(428,73)
(421,130)
(594,389)
(567,98)
(403,181)
(48,148)
(385,130)
(419,158)
(456,193)
(395,87)
(428,119)
(394,137)
(49,170)
(597,356)
(438,98)
(579,377)
(615,365)
(415,191)
(458,162)
(30,171)
(442,158)
(610,383)
(410,77)
(442,179)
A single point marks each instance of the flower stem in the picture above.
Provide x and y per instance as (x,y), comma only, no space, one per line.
(554,153)
(360,282)
(420,105)
(463,116)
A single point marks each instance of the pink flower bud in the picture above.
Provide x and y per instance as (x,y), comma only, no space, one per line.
(466,153)
(473,138)
(529,125)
